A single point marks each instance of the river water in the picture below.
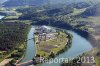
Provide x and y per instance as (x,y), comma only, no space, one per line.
(79,46)
(30,51)
(1,17)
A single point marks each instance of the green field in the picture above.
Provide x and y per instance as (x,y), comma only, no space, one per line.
(98,61)
(98,57)
(78,11)
(94,19)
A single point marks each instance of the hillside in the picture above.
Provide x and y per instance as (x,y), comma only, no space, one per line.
(92,11)
(12,3)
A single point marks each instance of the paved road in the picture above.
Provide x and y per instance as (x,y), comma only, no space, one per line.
(25,63)
(6,61)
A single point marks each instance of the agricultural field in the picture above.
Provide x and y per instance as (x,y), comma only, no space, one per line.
(97,56)
(51,45)
(77,11)
(98,61)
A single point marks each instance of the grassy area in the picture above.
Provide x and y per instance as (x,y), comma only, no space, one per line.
(1,59)
(97,58)
(16,16)
(78,11)
(8,55)
(93,53)
(11,17)
(51,45)
(94,19)
(98,61)
(94,25)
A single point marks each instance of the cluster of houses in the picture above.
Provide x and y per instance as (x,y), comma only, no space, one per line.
(44,33)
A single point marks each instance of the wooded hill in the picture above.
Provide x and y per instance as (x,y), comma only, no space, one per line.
(11,35)
(92,11)
(14,3)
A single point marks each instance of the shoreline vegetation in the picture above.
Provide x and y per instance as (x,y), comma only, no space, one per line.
(17,51)
(51,47)
(18,60)
(25,46)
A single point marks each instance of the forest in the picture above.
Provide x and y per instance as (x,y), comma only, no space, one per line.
(11,34)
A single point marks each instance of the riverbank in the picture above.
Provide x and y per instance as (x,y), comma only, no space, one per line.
(17,51)
(25,45)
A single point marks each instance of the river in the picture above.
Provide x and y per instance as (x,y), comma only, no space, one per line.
(30,51)
(79,46)
(1,17)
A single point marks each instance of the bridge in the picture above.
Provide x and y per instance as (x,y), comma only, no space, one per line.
(28,63)
(29,39)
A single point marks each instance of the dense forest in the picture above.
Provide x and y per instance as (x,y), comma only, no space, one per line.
(11,35)
(60,17)
(55,17)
